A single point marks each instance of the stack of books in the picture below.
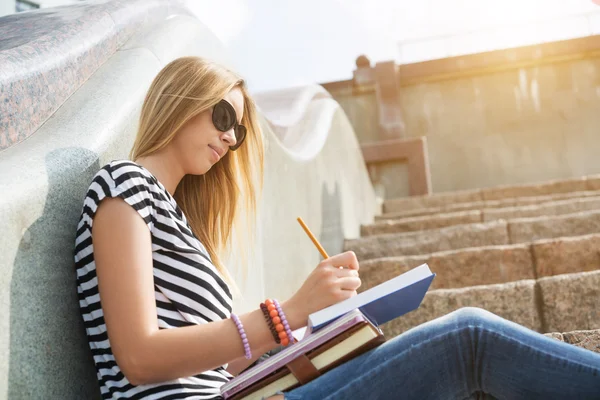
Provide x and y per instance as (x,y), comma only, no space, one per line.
(333,336)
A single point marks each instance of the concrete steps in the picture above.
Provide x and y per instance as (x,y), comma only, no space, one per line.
(561,303)
(441,220)
(478,205)
(492,233)
(527,253)
(493,264)
(442,200)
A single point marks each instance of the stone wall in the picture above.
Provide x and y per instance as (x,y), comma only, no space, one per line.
(500,118)
(518,126)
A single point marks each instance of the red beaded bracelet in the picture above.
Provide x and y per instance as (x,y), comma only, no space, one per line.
(279,322)
(269,322)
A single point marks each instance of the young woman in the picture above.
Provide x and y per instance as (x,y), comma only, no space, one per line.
(156,298)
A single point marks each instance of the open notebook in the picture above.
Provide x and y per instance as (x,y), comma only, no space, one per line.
(381,303)
(334,335)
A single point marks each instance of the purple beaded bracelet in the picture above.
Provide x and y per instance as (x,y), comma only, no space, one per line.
(284,321)
(240,329)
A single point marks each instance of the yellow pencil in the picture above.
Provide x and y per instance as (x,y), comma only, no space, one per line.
(313,238)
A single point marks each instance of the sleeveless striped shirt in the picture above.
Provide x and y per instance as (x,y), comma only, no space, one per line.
(188,289)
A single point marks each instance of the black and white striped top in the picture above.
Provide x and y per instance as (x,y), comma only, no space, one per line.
(188,288)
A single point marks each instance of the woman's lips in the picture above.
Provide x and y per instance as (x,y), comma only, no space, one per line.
(217,157)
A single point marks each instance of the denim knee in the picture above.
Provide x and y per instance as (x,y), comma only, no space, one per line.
(472,316)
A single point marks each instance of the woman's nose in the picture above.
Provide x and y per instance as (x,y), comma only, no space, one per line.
(229,137)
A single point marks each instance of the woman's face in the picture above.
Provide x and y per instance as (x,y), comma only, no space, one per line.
(199,145)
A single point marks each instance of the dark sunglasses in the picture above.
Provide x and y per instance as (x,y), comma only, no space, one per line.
(224,118)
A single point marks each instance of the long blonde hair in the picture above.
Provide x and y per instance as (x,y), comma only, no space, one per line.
(211,202)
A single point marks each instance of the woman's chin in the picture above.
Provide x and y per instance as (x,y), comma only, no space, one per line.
(202,171)
(201,168)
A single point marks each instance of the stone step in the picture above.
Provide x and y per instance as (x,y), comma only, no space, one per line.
(554,208)
(590,183)
(589,340)
(535,228)
(515,301)
(570,301)
(425,242)
(491,233)
(492,264)
(560,303)
(551,208)
(410,224)
(421,223)
(479,205)
(456,268)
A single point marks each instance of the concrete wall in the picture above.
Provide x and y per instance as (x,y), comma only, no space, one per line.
(390,178)
(316,171)
(519,125)
(43,349)
(361,109)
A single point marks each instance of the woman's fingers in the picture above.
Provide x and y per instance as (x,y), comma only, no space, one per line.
(345,272)
(347,259)
(349,283)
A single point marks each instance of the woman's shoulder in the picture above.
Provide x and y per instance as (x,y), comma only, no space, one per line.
(123,174)
(126,168)
(126,180)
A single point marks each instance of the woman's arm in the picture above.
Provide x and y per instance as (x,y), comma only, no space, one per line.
(239,364)
(145,354)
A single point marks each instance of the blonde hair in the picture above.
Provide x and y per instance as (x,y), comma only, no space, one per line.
(211,202)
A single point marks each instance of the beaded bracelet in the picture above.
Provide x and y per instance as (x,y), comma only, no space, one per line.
(269,322)
(275,322)
(280,322)
(240,328)
(288,330)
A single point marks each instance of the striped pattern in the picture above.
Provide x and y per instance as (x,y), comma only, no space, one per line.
(188,288)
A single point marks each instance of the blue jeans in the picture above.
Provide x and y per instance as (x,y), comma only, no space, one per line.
(468,354)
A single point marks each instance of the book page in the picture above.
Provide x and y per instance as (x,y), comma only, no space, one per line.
(299,333)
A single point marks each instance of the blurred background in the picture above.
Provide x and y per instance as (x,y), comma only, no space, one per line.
(318,40)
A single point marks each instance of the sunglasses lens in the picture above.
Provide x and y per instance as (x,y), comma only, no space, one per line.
(240,135)
(223,116)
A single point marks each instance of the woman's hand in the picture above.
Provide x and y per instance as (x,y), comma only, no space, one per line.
(327,284)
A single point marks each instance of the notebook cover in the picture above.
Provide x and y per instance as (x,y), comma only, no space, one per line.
(380,339)
(398,303)
(391,306)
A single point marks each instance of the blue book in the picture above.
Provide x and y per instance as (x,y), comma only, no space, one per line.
(382,303)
